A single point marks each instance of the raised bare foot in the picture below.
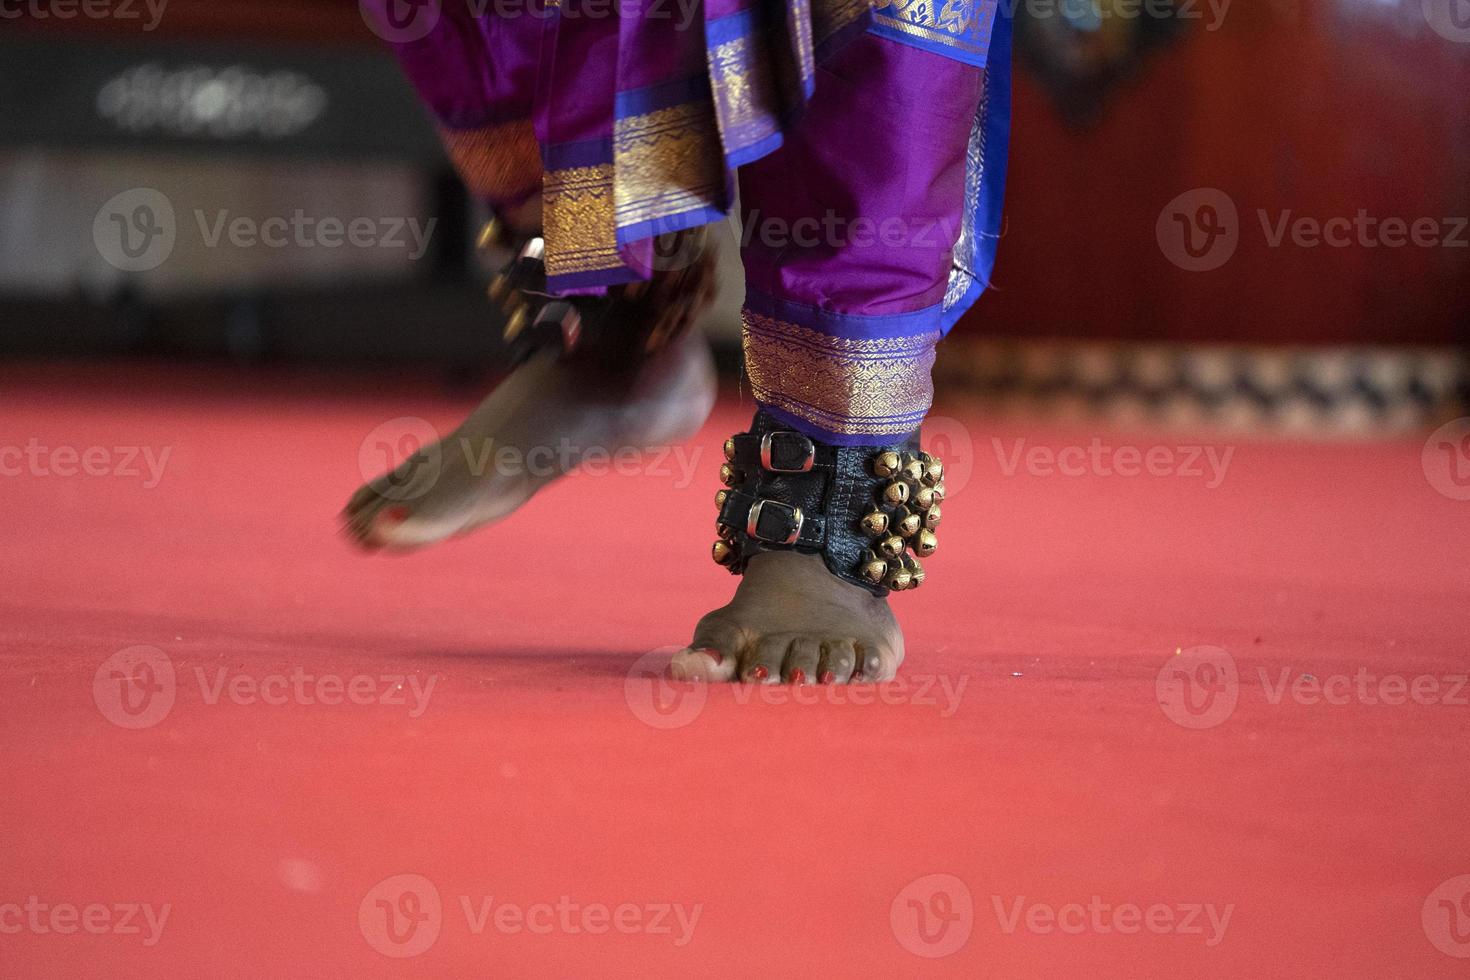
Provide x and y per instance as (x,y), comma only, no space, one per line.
(549,413)
(793,621)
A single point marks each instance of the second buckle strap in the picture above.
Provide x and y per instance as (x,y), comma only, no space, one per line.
(772,521)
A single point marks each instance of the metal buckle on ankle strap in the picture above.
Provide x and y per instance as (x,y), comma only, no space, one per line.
(801,442)
(752,525)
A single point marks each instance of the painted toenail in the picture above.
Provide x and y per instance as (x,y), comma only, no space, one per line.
(714,655)
(760,673)
(395,515)
(827,677)
(798,676)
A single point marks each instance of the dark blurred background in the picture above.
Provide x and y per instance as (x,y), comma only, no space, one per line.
(1169,168)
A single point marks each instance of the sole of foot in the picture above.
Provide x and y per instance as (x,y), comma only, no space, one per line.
(549,413)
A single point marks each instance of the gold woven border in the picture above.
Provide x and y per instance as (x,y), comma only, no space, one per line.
(579,220)
(843,385)
(497,162)
(799,19)
(745,93)
(667,162)
(927,33)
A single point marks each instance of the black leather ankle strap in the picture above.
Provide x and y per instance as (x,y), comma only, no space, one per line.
(629,322)
(869,511)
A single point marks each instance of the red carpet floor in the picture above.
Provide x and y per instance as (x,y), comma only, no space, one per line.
(193,667)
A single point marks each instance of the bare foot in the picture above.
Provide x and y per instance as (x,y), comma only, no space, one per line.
(534,428)
(793,621)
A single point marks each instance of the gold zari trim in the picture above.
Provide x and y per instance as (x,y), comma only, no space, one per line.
(581,229)
(667,162)
(851,386)
(927,33)
(744,92)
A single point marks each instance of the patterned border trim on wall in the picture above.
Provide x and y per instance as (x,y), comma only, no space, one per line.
(1319,391)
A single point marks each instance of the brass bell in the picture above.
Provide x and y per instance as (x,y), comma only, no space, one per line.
(898,578)
(516,323)
(721,497)
(499,288)
(926,543)
(891,546)
(896,492)
(730,450)
(729,475)
(722,553)
(932,517)
(886,464)
(933,472)
(916,572)
(875,521)
(924,498)
(912,468)
(489,235)
(907,522)
(939,491)
(872,568)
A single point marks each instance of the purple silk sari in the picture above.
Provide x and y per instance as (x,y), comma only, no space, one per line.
(870,147)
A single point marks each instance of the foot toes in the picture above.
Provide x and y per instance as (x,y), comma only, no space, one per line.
(875,663)
(702,664)
(365,495)
(713,654)
(837,663)
(762,664)
(802,658)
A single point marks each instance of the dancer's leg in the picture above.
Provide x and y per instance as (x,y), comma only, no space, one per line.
(850,236)
(478,76)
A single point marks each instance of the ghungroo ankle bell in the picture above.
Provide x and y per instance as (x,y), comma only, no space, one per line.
(869,511)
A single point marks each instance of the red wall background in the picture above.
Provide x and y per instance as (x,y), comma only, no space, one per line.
(1317,107)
